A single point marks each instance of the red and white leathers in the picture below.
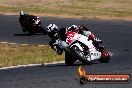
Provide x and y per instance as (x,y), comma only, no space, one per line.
(85,31)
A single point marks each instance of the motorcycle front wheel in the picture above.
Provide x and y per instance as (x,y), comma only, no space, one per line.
(78,54)
(69,59)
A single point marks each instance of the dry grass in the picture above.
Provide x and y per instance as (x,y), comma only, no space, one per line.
(11,55)
(85,8)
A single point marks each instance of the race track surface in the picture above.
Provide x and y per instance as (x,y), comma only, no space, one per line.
(116,36)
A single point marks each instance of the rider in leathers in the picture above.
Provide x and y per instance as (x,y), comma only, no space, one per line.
(58,36)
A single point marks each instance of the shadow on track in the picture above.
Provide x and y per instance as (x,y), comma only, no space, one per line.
(22,35)
(27,34)
(78,63)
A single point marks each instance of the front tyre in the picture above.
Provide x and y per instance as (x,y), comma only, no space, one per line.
(69,60)
(78,54)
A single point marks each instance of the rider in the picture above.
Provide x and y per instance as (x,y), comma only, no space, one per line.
(59,36)
(52,31)
(85,31)
(21,19)
(25,18)
(81,30)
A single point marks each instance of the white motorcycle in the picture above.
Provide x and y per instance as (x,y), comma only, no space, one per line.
(83,49)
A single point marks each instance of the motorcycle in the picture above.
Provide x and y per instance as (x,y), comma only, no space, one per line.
(31,24)
(83,49)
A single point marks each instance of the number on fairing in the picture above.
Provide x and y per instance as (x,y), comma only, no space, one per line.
(70,36)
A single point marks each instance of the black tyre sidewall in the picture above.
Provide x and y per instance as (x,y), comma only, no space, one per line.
(75,51)
(69,60)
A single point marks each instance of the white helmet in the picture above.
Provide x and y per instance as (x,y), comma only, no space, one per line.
(51,27)
(22,13)
(73,28)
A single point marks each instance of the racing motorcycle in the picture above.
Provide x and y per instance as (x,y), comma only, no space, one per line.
(31,24)
(83,49)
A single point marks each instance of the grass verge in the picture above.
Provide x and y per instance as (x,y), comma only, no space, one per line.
(84,8)
(12,55)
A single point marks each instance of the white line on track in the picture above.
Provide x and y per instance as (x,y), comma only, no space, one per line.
(32,65)
(19,44)
(4,42)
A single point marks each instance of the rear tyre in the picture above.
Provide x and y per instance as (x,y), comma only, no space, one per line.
(43,30)
(105,57)
(31,32)
(69,60)
(78,54)
(40,29)
(23,29)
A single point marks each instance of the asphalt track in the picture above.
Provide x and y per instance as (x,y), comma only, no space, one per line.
(116,36)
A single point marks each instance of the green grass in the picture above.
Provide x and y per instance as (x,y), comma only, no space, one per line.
(85,8)
(12,55)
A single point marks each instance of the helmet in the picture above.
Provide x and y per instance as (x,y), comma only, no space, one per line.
(73,28)
(52,27)
(22,13)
